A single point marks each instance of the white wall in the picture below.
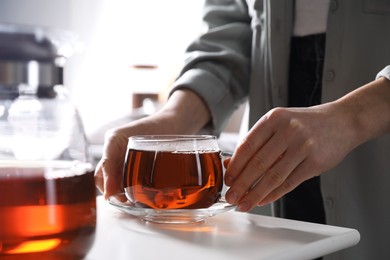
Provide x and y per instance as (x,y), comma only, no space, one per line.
(116,34)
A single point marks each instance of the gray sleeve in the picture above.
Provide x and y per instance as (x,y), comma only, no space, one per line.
(217,64)
(384,73)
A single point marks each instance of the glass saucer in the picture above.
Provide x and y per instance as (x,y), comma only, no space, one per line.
(172,216)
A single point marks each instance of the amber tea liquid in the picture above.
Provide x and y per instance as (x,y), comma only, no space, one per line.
(173,180)
(46,213)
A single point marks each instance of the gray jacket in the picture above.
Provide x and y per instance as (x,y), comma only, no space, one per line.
(245,53)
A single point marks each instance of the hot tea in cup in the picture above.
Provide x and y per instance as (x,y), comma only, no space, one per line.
(173,171)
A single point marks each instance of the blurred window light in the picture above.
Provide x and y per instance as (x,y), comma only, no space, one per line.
(116,35)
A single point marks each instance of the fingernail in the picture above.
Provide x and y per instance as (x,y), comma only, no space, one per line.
(232,197)
(243,207)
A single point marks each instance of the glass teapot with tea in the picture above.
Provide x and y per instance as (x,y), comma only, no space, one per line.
(47,189)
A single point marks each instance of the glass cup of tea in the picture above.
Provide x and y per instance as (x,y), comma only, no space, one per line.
(172,172)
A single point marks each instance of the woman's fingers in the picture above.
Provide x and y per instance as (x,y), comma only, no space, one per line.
(109,170)
(275,176)
(281,151)
(112,175)
(247,149)
(108,177)
(298,176)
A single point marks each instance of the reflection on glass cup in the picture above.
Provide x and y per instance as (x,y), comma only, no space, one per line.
(47,209)
(173,171)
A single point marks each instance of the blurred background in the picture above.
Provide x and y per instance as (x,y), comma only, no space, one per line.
(129,53)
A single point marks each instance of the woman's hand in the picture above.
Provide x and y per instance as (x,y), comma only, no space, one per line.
(290,145)
(108,173)
(184,113)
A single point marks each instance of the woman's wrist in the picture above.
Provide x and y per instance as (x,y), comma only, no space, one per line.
(366,110)
(185,111)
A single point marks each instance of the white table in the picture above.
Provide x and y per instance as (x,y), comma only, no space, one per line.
(231,235)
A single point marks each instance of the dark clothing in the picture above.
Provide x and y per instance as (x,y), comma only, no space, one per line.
(306,66)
